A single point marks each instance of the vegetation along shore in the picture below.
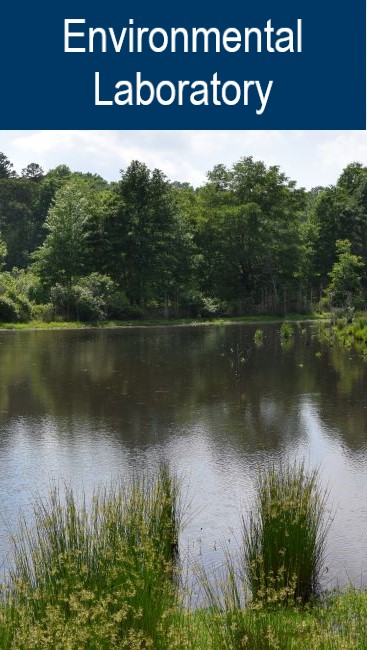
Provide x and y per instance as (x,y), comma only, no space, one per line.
(105,573)
(75,247)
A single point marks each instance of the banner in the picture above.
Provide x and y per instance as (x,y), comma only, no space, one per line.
(110,65)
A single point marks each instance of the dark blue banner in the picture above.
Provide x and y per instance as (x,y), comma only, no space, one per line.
(110,65)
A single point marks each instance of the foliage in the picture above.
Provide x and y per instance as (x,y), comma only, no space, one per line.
(90,298)
(6,167)
(286,331)
(3,252)
(247,241)
(259,338)
(15,305)
(345,289)
(60,258)
(105,575)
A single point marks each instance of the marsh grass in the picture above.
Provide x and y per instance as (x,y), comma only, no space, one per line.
(284,539)
(286,331)
(259,600)
(103,576)
(106,575)
(259,338)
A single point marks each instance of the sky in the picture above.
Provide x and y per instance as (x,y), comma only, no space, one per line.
(311,158)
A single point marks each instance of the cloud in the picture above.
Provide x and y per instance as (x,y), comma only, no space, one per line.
(182,155)
(347,147)
(310,157)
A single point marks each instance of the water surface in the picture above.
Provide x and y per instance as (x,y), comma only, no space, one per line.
(88,406)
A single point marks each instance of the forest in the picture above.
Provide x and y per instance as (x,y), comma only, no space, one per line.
(248,241)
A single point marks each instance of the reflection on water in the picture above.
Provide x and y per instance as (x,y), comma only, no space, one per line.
(93,405)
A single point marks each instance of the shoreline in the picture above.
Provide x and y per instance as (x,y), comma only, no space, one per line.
(156,323)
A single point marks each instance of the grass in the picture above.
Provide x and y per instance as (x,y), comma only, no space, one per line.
(337,623)
(103,577)
(40,325)
(349,335)
(280,563)
(259,338)
(284,540)
(286,331)
(106,576)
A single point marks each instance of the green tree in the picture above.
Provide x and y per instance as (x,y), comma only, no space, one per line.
(6,167)
(152,241)
(345,287)
(33,171)
(3,252)
(249,233)
(19,219)
(60,259)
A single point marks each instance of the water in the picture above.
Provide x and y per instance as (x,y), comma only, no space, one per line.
(88,406)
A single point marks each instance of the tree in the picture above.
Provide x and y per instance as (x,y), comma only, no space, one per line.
(152,241)
(6,167)
(19,219)
(344,289)
(33,171)
(3,252)
(249,233)
(60,260)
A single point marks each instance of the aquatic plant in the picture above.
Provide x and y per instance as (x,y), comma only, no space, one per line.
(259,338)
(284,539)
(286,331)
(97,577)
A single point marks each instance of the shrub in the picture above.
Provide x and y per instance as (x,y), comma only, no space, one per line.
(44,313)
(8,310)
(14,303)
(88,300)
(121,308)
(200,305)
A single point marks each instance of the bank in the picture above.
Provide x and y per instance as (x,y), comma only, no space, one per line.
(161,322)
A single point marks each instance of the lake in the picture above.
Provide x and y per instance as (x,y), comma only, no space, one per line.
(90,406)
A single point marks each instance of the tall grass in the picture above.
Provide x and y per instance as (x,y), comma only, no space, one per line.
(284,540)
(259,338)
(281,560)
(286,331)
(102,576)
(105,575)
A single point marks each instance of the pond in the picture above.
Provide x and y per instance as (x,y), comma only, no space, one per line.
(90,406)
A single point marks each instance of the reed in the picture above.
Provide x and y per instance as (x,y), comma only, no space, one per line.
(102,576)
(286,331)
(284,540)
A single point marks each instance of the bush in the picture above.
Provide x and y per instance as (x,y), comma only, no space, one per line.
(44,313)
(8,310)
(14,303)
(87,300)
(121,308)
(199,305)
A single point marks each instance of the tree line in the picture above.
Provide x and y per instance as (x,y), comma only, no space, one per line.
(75,246)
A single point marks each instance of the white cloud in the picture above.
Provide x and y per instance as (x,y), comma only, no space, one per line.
(310,157)
(350,146)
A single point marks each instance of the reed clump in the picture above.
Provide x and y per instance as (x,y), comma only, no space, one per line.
(103,576)
(284,540)
(259,338)
(286,331)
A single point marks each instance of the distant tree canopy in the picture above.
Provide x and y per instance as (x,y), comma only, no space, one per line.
(248,240)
